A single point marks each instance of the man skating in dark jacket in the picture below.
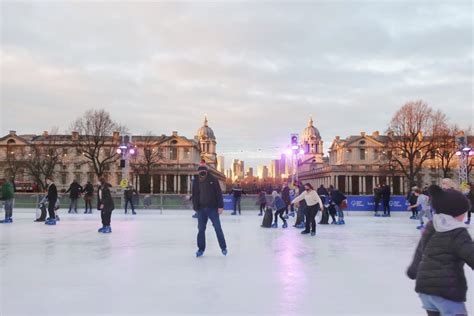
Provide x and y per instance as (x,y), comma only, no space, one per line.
(128,195)
(88,193)
(438,263)
(285,195)
(74,191)
(337,198)
(237,193)
(377,198)
(208,203)
(106,206)
(52,198)
(385,192)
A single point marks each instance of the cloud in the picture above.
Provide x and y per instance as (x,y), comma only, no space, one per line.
(258,69)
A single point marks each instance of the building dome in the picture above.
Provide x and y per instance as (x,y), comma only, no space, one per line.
(310,132)
(205,131)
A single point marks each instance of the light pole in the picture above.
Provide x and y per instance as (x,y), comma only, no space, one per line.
(127,150)
(464,151)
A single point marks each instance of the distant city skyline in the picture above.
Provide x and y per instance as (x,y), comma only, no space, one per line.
(257,70)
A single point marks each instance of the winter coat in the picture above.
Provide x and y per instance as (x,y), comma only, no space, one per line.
(74,190)
(128,194)
(52,193)
(7,191)
(237,192)
(207,193)
(262,198)
(412,198)
(385,192)
(337,197)
(88,190)
(105,198)
(377,194)
(322,191)
(438,263)
(285,195)
(278,203)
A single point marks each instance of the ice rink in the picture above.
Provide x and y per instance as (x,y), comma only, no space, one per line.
(147,267)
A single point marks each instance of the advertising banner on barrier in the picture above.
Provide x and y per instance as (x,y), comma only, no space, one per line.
(366,203)
(354,202)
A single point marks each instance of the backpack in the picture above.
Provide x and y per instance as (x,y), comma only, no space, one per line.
(267,218)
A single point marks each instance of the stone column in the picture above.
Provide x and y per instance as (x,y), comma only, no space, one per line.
(178,186)
(151,183)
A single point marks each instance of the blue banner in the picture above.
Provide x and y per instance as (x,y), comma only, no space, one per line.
(366,203)
(228,202)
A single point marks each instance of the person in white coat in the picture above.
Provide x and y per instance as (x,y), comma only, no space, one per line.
(314,204)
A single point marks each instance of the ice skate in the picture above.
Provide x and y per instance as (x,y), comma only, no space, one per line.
(224,252)
(260,214)
(313,233)
(468,222)
(199,253)
(305,232)
(274,225)
(107,230)
(292,214)
(50,221)
(233,213)
(195,215)
(101,230)
(421,226)
(285,225)
(6,221)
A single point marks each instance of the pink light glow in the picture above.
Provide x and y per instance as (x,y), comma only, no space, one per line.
(119,151)
(458,153)
(132,151)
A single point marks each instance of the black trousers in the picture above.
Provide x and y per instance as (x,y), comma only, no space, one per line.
(51,205)
(280,213)
(469,215)
(88,201)
(386,207)
(311,212)
(376,205)
(106,216)
(262,207)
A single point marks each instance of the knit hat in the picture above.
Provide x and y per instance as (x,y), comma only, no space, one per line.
(202,168)
(450,202)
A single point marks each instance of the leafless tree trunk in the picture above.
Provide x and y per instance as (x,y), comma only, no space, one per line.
(411,137)
(42,160)
(446,147)
(147,158)
(96,139)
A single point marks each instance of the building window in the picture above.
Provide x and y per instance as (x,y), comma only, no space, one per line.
(376,154)
(173,153)
(362,154)
(187,153)
(77,166)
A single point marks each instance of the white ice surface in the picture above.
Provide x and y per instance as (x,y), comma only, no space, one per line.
(147,267)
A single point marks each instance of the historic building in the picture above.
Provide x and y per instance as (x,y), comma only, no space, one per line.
(170,171)
(358,163)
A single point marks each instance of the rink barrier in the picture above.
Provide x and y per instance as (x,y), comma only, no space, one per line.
(162,202)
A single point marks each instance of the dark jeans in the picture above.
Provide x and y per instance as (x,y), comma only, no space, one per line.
(73,204)
(280,213)
(376,205)
(88,201)
(386,207)
(311,212)
(469,215)
(129,200)
(237,204)
(51,205)
(262,207)
(203,215)
(106,217)
(414,211)
(8,208)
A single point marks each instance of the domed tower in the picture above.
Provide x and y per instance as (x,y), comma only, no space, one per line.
(311,142)
(207,143)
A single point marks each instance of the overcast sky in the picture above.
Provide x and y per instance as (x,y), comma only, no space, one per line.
(258,69)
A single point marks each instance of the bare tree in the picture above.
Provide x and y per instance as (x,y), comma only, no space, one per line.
(45,154)
(96,141)
(147,158)
(446,147)
(411,137)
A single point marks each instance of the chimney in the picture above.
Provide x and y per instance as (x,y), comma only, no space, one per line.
(116,136)
(45,134)
(12,133)
(376,134)
(175,133)
(362,134)
(75,135)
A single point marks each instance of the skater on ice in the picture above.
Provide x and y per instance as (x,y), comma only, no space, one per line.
(75,190)
(444,248)
(208,203)
(7,196)
(377,198)
(340,203)
(88,193)
(129,194)
(423,205)
(262,201)
(106,206)
(52,198)
(470,197)
(237,193)
(314,204)
(385,194)
(280,206)
(412,199)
